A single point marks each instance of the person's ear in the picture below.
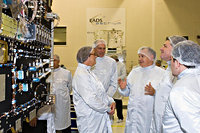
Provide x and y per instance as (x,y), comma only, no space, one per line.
(152,57)
(177,64)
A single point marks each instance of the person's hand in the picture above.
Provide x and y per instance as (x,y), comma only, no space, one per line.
(112,107)
(33,122)
(149,90)
(122,84)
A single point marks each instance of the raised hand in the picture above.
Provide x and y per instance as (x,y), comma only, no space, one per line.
(122,84)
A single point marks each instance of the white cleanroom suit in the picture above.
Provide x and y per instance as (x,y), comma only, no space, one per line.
(58,115)
(182,114)
(45,113)
(140,106)
(121,72)
(62,86)
(91,102)
(161,97)
(106,71)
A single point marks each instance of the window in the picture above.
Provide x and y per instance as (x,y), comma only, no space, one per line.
(60,35)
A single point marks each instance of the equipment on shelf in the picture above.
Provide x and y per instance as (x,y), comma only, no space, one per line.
(25,60)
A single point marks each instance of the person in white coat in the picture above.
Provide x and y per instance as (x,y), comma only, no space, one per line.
(182,113)
(62,86)
(92,103)
(105,68)
(58,116)
(164,88)
(141,96)
(121,72)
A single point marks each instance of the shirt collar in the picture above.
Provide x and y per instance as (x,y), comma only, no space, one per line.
(193,71)
(84,66)
(100,58)
(148,67)
(169,66)
(57,69)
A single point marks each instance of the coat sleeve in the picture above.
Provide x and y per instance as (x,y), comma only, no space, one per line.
(170,123)
(186,108)
(122,71)
(70,82)
(113,81)
(110,99)
(92,98)
(125,92)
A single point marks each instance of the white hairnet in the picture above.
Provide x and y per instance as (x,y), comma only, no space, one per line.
(187,53)
(83,54)
(176,39)
(99,41)
(149,52)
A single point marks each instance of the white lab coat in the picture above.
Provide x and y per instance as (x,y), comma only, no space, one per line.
(61,88)
(106,71)
(182,114)
(140,106)
(45,113)
(91,102)
(121,72)
(161,97)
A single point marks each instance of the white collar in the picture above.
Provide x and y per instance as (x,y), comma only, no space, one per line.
(84,66)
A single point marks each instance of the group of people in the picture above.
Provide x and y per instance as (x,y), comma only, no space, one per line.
(160,101)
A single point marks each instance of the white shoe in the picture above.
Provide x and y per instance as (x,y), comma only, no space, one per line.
(119,120)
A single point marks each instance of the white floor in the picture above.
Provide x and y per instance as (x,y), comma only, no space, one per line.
(119,127)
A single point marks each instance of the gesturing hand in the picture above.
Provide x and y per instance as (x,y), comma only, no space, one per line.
(122,84)
(149,90)
(112,107)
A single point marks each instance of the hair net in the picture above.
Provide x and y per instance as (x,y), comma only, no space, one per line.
(187,53)
(99,41)
(149,53)
(56,57)
(83,54)
(175,39)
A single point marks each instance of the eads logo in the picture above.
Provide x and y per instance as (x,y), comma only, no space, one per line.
(100,20)
(97,19)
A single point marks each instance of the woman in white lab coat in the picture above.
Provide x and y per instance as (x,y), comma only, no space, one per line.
(92,104)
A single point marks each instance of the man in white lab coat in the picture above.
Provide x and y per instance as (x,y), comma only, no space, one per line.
(182,113)
(138,87)
(62,86)
(164,88)
(58,116)
(92,103)
(121,72)
(105,68)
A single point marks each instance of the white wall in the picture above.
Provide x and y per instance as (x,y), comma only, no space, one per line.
(148,22)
